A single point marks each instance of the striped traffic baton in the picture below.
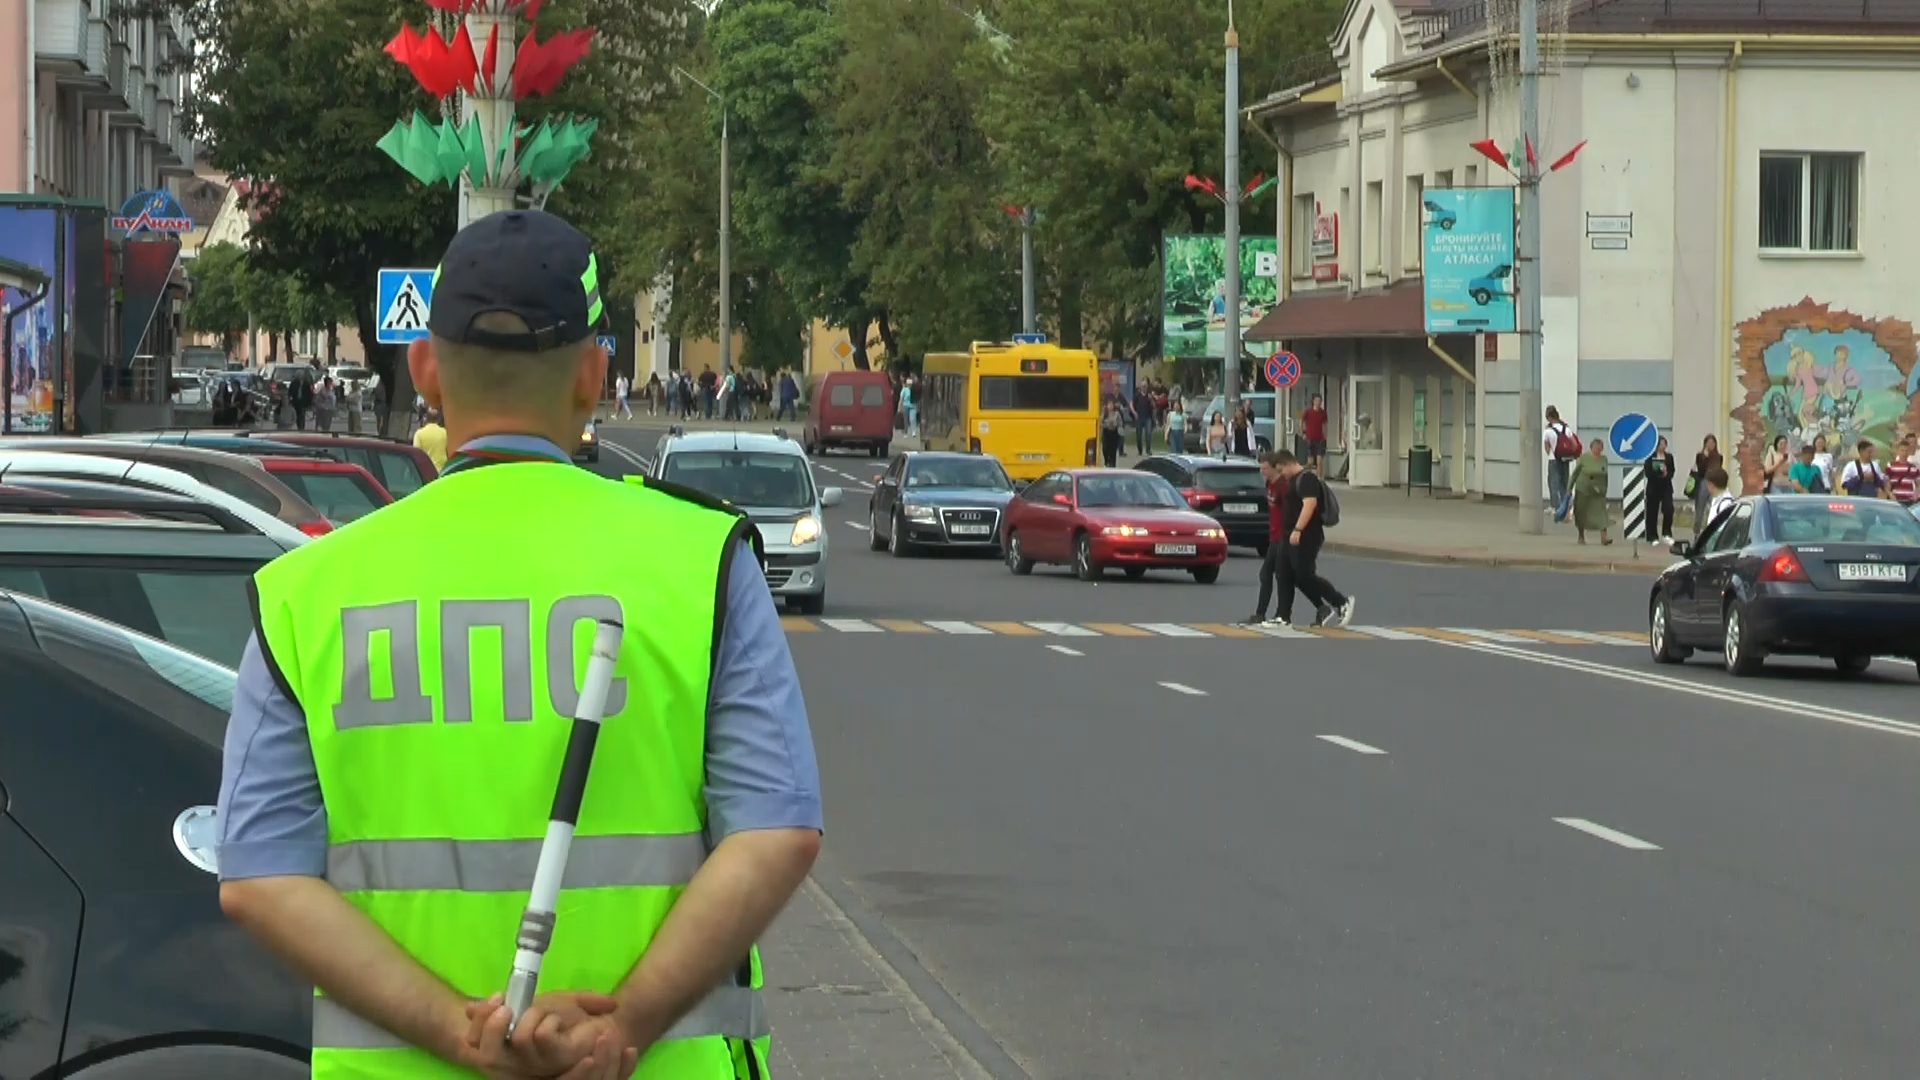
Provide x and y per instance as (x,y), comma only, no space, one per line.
(536,922)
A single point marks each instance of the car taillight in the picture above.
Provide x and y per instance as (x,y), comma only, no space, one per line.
(1093,449)
(1783,566)
(316,528)
(1200,500)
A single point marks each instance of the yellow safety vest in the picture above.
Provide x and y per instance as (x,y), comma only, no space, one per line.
(438,667)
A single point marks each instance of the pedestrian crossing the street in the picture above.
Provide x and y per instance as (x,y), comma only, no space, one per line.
(1194,631)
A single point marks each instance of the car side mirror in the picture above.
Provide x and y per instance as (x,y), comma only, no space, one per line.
(1681,549)
(1022,485)
(831,496)
(1063,499)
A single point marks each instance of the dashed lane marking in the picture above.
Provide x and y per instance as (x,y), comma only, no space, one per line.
(1350,744)
(1611,836)
(1064,651)
(1183,688)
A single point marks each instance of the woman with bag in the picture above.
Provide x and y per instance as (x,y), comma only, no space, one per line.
(1704,462)
(1660,493)
(1588,482)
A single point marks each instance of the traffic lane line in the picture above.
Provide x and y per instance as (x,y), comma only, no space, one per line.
(1183,688)
(1064,651)
(1611,836)
(1350,744)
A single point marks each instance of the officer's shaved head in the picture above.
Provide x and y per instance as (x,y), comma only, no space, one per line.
(483,390)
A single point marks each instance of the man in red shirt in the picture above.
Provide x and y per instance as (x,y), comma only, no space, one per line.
(1274,569)
(1903,472)
(1313,424)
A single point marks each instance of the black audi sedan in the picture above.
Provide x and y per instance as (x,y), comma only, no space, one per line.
(115,960)
(1794,575)
(931,498)
(1229,490)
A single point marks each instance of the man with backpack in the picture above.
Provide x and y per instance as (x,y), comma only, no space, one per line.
(1310,509)
(1563,448)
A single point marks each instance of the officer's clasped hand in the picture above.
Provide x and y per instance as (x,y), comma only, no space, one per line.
(571,1036)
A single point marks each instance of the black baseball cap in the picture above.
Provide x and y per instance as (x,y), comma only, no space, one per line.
(522,262)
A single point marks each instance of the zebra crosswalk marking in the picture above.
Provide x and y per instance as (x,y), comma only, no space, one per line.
(1335,633)
(904,626)
(1062,629)
(1638,637)
(1167,629)
(852,626)
(1283,632)
(1548,637)
(1438,634)
(1494,636)
(794,625)
(1385,633)
(1011,629)
(954,627)
(1587,637)
(1223,630)
(1118,629)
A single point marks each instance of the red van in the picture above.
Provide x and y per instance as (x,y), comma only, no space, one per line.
(850,410)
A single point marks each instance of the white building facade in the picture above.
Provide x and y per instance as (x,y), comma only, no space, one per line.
(1723,255)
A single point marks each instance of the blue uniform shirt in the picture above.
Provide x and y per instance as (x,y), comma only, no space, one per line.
(760,768)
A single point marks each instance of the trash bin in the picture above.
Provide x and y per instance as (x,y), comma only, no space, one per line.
(1420,468)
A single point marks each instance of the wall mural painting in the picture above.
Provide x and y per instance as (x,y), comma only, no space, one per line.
(1811,370)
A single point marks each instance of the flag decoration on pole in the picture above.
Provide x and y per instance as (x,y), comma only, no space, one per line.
(443,151)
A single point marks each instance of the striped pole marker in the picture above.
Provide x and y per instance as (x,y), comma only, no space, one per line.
(1633,504)
(536,922)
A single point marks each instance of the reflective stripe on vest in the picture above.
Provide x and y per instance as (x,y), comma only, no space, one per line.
(437,679)
(735,1012)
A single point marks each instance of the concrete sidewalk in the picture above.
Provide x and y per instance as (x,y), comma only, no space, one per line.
(840,1011)
(1391,523)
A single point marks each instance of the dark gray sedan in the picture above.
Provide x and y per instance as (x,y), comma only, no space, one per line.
(938,499)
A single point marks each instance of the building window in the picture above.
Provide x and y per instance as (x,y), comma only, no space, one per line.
(1413,213)
(1810,202)
(1301,242)
(1443,178)
(1374,224)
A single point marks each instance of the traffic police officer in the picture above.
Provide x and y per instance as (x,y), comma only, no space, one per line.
(402,712)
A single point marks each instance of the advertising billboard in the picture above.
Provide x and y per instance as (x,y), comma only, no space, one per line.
(33,296)
(1466,257)
(1193,297)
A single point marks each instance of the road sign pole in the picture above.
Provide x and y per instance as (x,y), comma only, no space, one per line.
(1230,194)
(1633,505)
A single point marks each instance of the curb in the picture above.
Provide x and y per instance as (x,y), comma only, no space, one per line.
(1521,562)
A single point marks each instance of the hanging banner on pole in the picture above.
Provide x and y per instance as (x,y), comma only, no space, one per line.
(1467,261)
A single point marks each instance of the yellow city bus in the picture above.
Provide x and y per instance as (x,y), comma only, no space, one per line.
(1035,407)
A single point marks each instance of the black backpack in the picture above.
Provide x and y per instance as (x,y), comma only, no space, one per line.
(1329,506)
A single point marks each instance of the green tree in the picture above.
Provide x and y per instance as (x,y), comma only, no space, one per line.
(933,242)
(218,304)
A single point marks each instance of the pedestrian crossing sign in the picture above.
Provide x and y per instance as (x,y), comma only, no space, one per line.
(402,300)
(607,342)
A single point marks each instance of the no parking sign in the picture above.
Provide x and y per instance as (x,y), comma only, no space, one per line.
(1283,369)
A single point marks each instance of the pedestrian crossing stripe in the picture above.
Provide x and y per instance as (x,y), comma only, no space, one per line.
(1197,631)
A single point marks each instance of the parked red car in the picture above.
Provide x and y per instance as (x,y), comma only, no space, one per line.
(850,410)
(401,468)
(341,492)
(1094,519)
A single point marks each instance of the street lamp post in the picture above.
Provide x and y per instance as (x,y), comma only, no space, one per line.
(1029,289)
(726,226)
(1230,194)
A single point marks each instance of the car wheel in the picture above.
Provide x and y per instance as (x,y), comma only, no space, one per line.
(1083,564)
(1743,657)
(874,540)
(898,545)
(1660,635)
(811,605)
(1206,575)
(1852,665)
(1135,573)
(1017,562)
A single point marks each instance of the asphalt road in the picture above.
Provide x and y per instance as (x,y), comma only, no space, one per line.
(1445,856)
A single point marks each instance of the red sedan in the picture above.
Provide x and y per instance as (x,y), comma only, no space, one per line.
(1093,519)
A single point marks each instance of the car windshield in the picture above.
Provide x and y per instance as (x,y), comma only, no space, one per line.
(190,692)
(1228,478)
(1140,490)
(1844,521)
(204,611)
(339,496)
(968,472)
(745,477)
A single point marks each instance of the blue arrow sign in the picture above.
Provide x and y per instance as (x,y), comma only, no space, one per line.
(1633,437)
(1029,339)
(401,302)
(608,343)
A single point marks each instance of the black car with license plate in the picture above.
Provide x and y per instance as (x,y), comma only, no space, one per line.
(115,960)
(933,498)
(1794,575)
(1229,490)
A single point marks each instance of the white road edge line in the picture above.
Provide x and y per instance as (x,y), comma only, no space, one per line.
(1723,694)
(1064,651)
(1182,688)
(1611,836)
(1356,747)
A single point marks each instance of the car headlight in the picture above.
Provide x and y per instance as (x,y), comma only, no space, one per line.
(806,530)
(1210,534)
(923,514)
(1124,530)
